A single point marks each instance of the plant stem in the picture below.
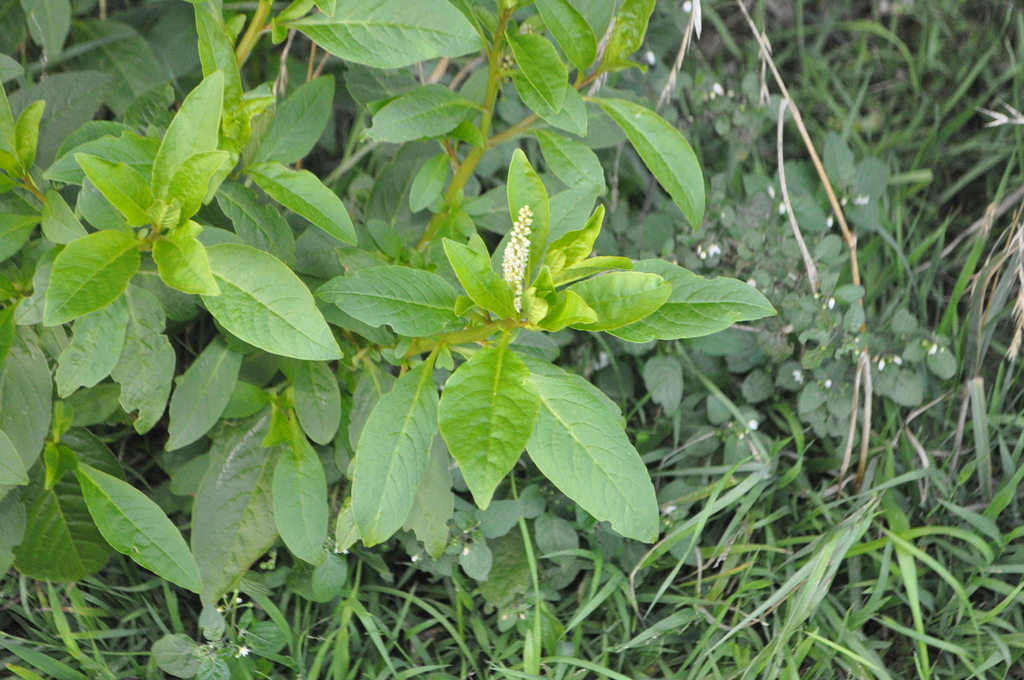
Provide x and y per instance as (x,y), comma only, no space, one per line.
(252,32)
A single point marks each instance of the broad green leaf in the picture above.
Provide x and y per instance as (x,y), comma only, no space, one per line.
(260,226)
(191,181)
(233,516)
(317,400)
(628,35)
(90,273)
(127,190)
(697,306)
(217,53)
(176,655)
(62,542)
(7,330)
(126,55)
(412,301)
(486,414)
(583,450)
(429,182)
(195,129)
(202,394)
(435,502)
(48,22)
(12,529)
(428,111)
(26,134)
(590,267)
(526,191)
(136,526)
(346,533)
(7,159)
(58,220)
(129,148)
(303,193)
(263,303)
(246,400)
(12,470)
(473,268)
(571,30)
(298,122)
(371,385)
(58,460)
(572,162)
(392,454)
(15,231)
(9,68)
(569,309)
(146,367)
(620,298)
(663,378)
(575,246)
(94,349)
(183,263)
(391,33)
(300,499)
(665,152)
(541,76)
(25,402)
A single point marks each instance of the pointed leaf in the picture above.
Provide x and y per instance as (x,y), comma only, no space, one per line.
(303,193)
(26,134)
(260,226)
(412,301)
(428,111)
(12,470)
(525,190)
(90,273)
(392,454)
(580,447)
(571,30)
(473,268)
(486,415)
(58,220)
(429,182)
(300,500)
(203,393)
(572,162)
(620,298)
(265,304)
(541,77)
(434,504)
(183,263)
(94,349)
(127,190)
(191,181)
(317,400)
(575,246)
(146,367)
(195,129)
(298,122)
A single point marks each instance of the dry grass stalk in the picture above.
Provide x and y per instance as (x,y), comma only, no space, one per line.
(693,27)
(812,268)
(1017,248)
(863,366)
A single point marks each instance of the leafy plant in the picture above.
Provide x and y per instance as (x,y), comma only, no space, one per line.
(318,338)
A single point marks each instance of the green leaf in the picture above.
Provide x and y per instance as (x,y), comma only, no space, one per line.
(696,307)
(665,152)
(620,298)
(541,76)
(183,263)
(572,162)
(571,30)
(126,55)
(15,231)
(9,68)
(628,35)
(176,655)
(95,347)
(472,266)
(298,122)
(90,273)
(317,400)
(569,309)
(136,526)
(260,226)
(300,499)
(663,378)
(26,134)
(266,305)
(428,111)
(192,180)
(12,470)
(127,190)
(233,517)
(580,447)
(62,543)
(590,267)
(486,414)
(48,22)
(58,460)
(146,367)
(574,246)
(195,129)
(429,182)
(7,158)
(434,504)
(391,33)
(303,193)
(58,221)
(25,402)
(392,454)
(203,393)
(129,148)
(525,190)
(412,301)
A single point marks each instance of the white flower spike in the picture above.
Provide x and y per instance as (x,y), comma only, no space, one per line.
(517,254)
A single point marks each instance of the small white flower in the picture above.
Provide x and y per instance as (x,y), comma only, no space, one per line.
(718,89)
(881,364)
(798,376)
(687,6)
(862,200)
(415,558)
(933,349)
(465,550)
(701,253)
(782,208)
(713,250)
(602,360)
(897,360)
(752,424)
(828,383)
(668,510)
(842,201)
(752,283)
(220,609)
(831,303)
(771,192)
(650,58)
(242,651)
(830,221)
(517,254)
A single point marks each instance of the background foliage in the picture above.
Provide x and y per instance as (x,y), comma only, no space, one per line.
(764,567)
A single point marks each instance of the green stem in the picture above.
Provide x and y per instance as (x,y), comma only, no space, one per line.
(463,337)
(252,32)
